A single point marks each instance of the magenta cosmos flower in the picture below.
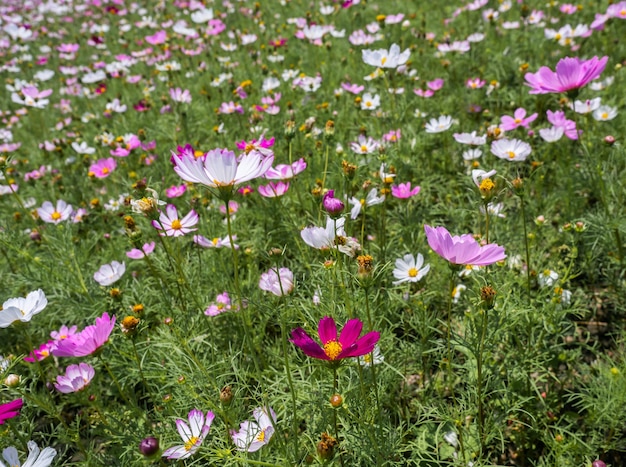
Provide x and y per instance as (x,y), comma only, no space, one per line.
(462,249)
(88,340)
(76,378)
(404,191)
(10,410)
(570,73)
(102,168)
(192,434)
(349,344)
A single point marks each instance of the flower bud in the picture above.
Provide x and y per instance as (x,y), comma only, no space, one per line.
(610,140)
(488,295)
(226,395)
(333,206)
(149,446)
(598,463)
(336,400)
(329,130)
(129,325)
(12,380)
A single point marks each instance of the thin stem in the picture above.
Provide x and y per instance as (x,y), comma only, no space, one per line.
(449,328)
(335,386)
(526,246)
(115,380)
(486,221)
(479,381)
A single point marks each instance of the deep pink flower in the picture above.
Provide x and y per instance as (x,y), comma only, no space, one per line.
(404,191)
(41,353)
(462,249)
(10,410)
(102,168)
(349,344)
(88,340)
(332,205)
(571,73)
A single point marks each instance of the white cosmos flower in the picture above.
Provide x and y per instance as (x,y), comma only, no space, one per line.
(372,199)
(552,134)
(382,58)
(470,138)
(109,273)
(82,148)
(370,102)
(410,269)
(22,309)
(221,168)
(438,125)
(36,458)
(604,113)
(513,150)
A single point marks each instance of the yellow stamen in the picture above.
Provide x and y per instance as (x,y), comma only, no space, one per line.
(176,225)
(191,443)
(56,216)
(332,349)
(383,60)
(511,154)
(215,240)
(604,115)
(261,436)
(412,272)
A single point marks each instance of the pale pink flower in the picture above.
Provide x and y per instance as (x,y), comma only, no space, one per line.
(109,273)
(279,283)
(171,225)
(76,378)
(145,250)
(253,435)
(54,214)
(192,435)
(273,190)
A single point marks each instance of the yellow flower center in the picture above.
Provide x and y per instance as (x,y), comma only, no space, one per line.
(248,148)
(518,121)
(215,240)
(367,358)
(557,37)
(191,443)
(383,60)
(511,154)
(486,186)
(56,216)
(605,115)
(261,436)
(176,224)
(105,170)
(362,201)
(332,349)
(473,85)
(198,153)
(412,272)
(363,148)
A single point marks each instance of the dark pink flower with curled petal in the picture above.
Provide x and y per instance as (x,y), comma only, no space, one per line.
(462,249)
(333,348)
(88,340)
(10,410)
(570,73)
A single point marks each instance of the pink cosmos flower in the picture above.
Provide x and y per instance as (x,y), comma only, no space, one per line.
(426,94)
(511,123)
(157,38)
(261,145)
(462,249)
(230,107)
(40,353)
(393,136)
(279,283)
(102,168)
(352,88)
(77,378)
(193,434)
(222,304)
(404,191)
(215,242)
(180,95)
(233,207)
(436,84)
(273,190)
(171,225)
(146,249)
(54,215)
(220,168)
(349,344)
(88,340)
(130,142)
(559,120)
(475,83)
(10,410)
(286,171)
(571,73)
(175,191)
(252,436)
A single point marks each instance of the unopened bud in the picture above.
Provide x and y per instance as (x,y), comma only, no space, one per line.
(488,295)
(226,395)
(129,325)
(336,400)
(149,446)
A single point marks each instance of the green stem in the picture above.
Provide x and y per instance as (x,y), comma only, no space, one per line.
(115,380)
(479,381)
(526,246)
(335,389)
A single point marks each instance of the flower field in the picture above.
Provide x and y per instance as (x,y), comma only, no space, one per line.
(340,233)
